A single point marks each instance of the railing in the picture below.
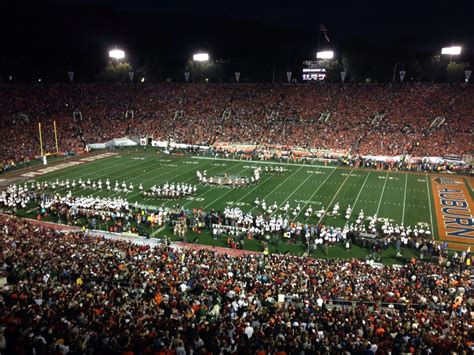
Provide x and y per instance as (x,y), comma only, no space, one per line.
(437,122)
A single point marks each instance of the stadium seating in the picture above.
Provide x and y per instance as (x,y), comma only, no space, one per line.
(368,119)
(81,294)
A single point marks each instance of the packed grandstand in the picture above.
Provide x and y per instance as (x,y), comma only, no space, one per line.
(73,293)
(384,120)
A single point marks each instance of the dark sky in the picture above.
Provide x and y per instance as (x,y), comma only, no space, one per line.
(50,37)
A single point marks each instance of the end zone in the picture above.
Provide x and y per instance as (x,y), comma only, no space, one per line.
(454,209)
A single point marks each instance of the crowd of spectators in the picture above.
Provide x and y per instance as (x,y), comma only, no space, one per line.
(74,293)
(366,119)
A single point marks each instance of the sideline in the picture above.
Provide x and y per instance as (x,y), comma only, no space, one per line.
(266,162)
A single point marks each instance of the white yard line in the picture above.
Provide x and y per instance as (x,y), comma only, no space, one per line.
(194,177)
(96,193)
(381,195)
(315,192)
(187,171)
(429,201)
(276,188)
(248,193)
(357,198)
(286,199)
(334,197)
(92,170)
(469,183)
(404,200)
(83,176)
(191,178)
(268,162)
(158,231)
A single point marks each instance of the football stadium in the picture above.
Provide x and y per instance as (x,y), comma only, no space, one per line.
(205,208)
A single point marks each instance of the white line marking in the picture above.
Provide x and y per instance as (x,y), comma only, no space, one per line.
(429,201)
(212,188)
(276,188)
(158,231)
(257,185)
(221,196)
(286,199)
(381,195)
(268,162)
(89,171)
(404,199)
(314,193)
(187,171)
(334,197)
(357,198)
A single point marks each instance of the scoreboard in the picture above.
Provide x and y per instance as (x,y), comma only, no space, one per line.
(314,74)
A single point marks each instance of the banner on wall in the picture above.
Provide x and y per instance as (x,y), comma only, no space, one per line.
(159,143)
(467,75)
(343,76)
(402,75)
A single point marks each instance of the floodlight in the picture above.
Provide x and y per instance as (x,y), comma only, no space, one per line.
(117,54)
(325,55)
(201,57)
(453,50)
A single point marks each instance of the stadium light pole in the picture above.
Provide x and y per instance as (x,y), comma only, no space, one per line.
(200,58)
(325,55)
(116,54)
(453,50)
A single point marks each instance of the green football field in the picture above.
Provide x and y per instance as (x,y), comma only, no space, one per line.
(399,197)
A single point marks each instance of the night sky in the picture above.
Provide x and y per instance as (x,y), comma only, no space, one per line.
(48,38)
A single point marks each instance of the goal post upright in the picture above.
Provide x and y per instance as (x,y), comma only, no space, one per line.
(56,136)
(40,138)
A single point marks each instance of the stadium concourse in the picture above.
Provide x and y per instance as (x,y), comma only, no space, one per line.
(365,119)
(96,295)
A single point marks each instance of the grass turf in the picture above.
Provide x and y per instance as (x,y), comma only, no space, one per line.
(396,196)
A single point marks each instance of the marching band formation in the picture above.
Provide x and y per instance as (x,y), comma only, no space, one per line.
(86,184)
(16,196)
(170,191)
(274,170)
(85,204)
(21,195)
(233,181)
(272,218)
(264,222)
(333,234)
